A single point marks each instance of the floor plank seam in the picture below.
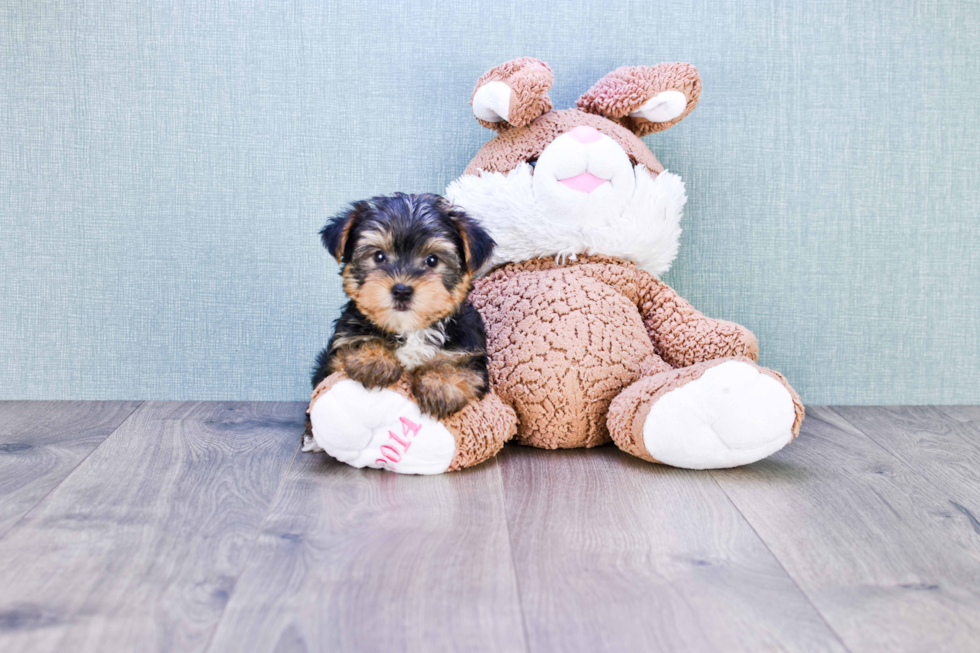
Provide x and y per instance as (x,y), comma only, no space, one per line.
(513,563)
(37,503)
(914,469)
(779,562)
(251,548)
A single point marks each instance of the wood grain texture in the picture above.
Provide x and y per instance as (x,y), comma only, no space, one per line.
(963,414)
(41,442)
(943,449)
(362,560)
(615,554)
(140,548)
(890,563)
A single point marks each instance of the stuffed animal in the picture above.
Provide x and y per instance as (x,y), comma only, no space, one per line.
(586,344)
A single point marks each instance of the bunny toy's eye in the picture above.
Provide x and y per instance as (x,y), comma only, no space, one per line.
(432,260)
(379,256)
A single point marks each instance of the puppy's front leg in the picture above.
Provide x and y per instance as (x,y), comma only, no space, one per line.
(445,385)
(371,363)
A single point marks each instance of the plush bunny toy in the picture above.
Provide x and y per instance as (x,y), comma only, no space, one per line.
(586,344)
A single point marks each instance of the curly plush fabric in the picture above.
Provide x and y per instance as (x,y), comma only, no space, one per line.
(480,429)
(514,146)
(628,87)
(581,349)
(563,341)
(529,80)
(682,335)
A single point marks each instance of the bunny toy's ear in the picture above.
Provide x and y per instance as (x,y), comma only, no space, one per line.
(512,94)
(645,99)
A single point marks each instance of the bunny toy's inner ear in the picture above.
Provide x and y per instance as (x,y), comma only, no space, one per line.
(662,107)
(491,102)
(512,94)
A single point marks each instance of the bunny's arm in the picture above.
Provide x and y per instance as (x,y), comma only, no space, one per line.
(681,334)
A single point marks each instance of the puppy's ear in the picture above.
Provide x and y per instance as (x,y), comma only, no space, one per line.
(512,94)
(645,99)
(335,235)
(477,243)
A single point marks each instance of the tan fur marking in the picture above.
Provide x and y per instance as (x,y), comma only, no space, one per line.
(442,387)
(375,239)
(431,301)
(374,298)
(440,246)
(466,245)
(372,364)
(460,292)
(351,289)
(343,236)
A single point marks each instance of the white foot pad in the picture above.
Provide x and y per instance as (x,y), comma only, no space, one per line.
(732,415)
(380,429)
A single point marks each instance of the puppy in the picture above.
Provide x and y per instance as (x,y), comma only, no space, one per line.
(407,266)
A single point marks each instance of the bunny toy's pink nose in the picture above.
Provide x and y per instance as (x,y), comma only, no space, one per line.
(585,134)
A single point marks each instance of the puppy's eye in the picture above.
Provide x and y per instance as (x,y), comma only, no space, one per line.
(533,163)
(432,260)
(379,257)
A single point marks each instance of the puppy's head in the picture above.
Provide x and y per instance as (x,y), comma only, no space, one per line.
(408,260)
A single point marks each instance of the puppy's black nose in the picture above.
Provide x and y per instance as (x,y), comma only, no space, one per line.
(402,292)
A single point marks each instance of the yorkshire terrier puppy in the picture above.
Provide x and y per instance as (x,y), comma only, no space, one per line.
(407,266)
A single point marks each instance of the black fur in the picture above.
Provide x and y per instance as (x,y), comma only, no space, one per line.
(465,332)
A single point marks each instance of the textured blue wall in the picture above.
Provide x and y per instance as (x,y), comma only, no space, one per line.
(164,169)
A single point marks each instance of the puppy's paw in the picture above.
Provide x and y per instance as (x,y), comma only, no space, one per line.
(310,444)
(373,366)
(442,390)
(381,429)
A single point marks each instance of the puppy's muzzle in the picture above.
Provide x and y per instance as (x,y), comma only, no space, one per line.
(402,294)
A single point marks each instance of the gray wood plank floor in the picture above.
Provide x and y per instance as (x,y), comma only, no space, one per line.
(41,442)
(189,527)
(615,554)
(354,560)
(878,549)
(140,547)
